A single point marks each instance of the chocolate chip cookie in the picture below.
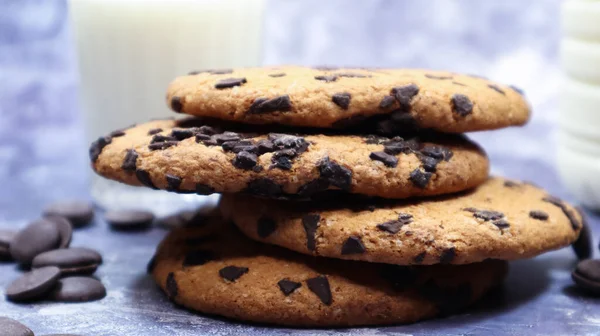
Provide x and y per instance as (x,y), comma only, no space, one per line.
(500,219)
(382,100)
(195,156)
(214,269)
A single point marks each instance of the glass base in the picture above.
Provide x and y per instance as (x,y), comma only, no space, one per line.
(111,195)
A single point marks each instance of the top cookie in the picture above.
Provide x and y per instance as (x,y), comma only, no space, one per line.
(383,100)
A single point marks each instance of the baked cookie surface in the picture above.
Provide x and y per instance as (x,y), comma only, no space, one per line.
(214,269)
(500,219)
(195,156)
(382,100)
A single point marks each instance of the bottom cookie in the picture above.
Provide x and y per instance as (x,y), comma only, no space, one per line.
(214,269)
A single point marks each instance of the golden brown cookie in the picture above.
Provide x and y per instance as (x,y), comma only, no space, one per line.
(500,219)
(382,100)
(193,156)
(214,269)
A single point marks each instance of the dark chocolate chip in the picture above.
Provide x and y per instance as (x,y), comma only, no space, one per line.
(182,134)
(511,184)
(420,178)
(65,230)
(430,76)
(40,236)
(310,223)
(238,146)
(197,258)
(144,178)
(264,187)
(6,237)
(97,146)
(245,160)
(404,95)
(342,99)
(387,102)
(78,289)
(353,245)
(437,152)
(264,146)
(171,285)
(429,164)
(538,214)
(570,215)
(320,286)
(117,133)
(33,285)
(208,130)
(336,174)
(173,182)
(462,105)
(287,287)
(265,227)
(162,138)
(11,327)
(275,75)
(419,257)
(282,159)
(387,159)
(203,189)
(265,105)
(129,219)
(397,146)
(327,79)
(232,273)
(286,141)
(155,131)
(399,277)
(583,245)
(459,84)
(447,255)
(226,137)
(78,213)
(501,223)
(176,104)
(587,275)
(486,215)
(162,145)
(496,88)
(77,260)
(229,83)
(130,161)
(394,226)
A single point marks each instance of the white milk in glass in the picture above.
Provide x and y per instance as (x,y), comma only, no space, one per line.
(129,50)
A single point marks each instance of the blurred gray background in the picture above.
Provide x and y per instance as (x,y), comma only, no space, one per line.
(42,151)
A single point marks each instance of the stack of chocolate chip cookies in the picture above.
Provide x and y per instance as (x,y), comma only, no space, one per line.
(350,196)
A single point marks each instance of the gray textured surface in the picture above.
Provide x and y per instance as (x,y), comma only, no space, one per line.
(43,156)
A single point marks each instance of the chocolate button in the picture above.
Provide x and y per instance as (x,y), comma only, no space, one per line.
(587,275)
(65,230)
(78,260)
(129,219)
(78,289)
(11,327)
(6,237)
(38,237)
(77,212)
(33,285)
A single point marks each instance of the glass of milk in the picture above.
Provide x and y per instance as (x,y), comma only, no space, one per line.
(579,135)
(129,51)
